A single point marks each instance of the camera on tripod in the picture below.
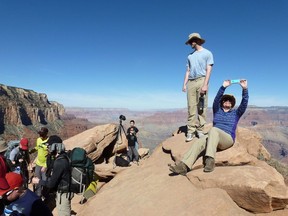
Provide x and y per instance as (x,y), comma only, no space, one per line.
(122,117)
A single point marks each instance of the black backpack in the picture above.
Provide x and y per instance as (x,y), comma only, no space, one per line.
(120,161)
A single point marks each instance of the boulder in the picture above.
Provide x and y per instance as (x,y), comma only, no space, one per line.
(252,188)
(252,184)
(143,152)
(98,139)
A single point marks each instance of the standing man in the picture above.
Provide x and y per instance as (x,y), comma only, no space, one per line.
(133,154)
(41,165)
(132,125)
(196,81)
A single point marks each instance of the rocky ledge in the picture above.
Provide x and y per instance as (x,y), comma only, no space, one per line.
(240,184)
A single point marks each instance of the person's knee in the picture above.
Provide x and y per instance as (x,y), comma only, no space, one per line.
(212,131)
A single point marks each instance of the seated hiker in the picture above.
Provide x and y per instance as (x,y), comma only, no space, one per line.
(221,136)
(19,200)
(60,176)
(132,151)
(19,157)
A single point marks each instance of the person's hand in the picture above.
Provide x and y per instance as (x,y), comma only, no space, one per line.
(35,180)
(226,83)
(204,89)
(184,89)
(244,83)
(15,213)
(21,160)
(43,169)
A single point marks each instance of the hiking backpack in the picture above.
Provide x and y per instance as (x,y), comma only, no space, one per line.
(82,170)
(11,145)
(120,161)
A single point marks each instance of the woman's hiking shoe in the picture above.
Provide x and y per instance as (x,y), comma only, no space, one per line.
(179,168)
(189,137)
(209,164)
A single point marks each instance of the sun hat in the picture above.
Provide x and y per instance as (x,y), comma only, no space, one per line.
(13,179)
(3,145)
(228,97)
(24,144)
(193,36)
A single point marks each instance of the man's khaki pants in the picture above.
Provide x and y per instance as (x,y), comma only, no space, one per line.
(196,120)
(63,203)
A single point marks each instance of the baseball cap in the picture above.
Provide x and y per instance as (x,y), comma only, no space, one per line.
(14,180)
(24,144)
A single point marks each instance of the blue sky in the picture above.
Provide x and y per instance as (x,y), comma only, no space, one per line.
(132,53)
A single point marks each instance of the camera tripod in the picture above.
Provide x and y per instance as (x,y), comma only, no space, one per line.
(119,140)
(119,133)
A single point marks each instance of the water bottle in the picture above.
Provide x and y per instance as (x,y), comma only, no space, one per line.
(7,212)
(17,170)
(201,103)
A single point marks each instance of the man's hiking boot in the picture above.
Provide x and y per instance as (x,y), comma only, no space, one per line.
(209,164)
(199,134)
(190,137)
(180,168)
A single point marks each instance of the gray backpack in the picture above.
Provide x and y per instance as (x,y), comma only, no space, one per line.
(11,145)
